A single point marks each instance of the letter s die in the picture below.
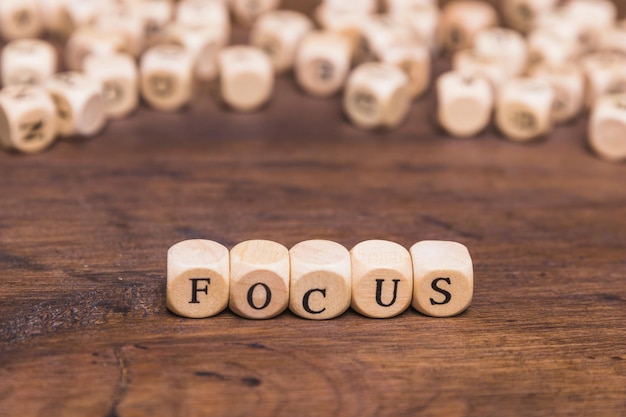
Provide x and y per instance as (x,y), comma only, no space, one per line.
(443,278)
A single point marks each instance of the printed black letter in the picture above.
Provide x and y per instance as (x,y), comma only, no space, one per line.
(268,296)
(379,292)
(195,290)
(439,290)
(305,301)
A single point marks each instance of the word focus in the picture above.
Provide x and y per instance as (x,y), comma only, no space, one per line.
(318,279)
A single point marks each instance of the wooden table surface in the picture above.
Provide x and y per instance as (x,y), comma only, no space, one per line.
(84,230)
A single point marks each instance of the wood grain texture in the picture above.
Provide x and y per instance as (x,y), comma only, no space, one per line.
(85,227)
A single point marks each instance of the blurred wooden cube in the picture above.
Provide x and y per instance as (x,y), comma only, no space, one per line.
(28,119)
(27,61)
(414,60)
(205,14)
(379,33)
(166,77)
(80,107)
(461,20)
(524,109)
(86,41)
(155,16)
(323,63)
(55,18)
(422,18)
(118,76)
(522,15)
(505,46)
(468,61)
(607,128)
(246,77)
(612,40)
(568,83)
(279,34)
(20,19)
(546,47)
(247,11)
(605,73)
(203,44)
(377,95)
(464,103)
(593,16)
(126,25)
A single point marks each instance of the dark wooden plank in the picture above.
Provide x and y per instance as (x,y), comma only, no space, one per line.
(84,229)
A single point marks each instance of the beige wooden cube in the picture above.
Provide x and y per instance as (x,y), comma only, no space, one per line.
(562,26)
(166,77)
(279,34)
(468,61)
(323,63)
(345,23)
(605,73)
(407,6)
(86,41)
(382,278)
(524,109)
(80,107)
(465,103)
(20,19)
(377,96)
(247,11)
(568,84)
(205,14)
(84,12)
(198,278)
(613,40)
(414,60)
(259,279)
(504,46)
(118,76)
(379,33)
(246,77)
(27,119)
(423,21)
(546,47)
(55,17)
(593,16)
(155,15)
(607,128)
(443,277)
(361,7)
(342,20)
(27,61)
(461,20)
(521,15)
(203,43)
(124,24)
(321,281)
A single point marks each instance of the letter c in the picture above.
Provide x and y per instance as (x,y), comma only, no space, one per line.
(305,300)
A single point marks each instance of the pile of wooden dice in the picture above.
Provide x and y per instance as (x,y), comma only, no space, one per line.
(318,279)
(552,62)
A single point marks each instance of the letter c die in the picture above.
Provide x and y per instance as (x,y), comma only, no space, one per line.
(320,279)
